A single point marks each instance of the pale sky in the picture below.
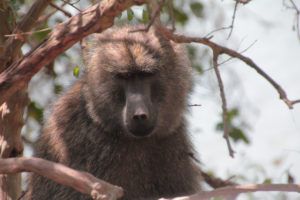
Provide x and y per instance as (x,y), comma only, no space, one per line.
(275,130)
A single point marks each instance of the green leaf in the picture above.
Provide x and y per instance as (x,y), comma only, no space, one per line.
(237,134)
(57,88)
(76,71)
(180,16)
(35,112)
(267,181)
(42,33)
(130,14)
(197,9)
(231,114)
(198,67)
(145,16)
(192,52)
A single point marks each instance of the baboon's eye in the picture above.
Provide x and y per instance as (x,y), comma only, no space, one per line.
(145,74)
(130,75)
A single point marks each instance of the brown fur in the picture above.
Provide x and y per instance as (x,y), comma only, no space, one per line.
(85,128)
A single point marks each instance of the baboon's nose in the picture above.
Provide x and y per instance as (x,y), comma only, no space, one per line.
(141,125)
(140,115)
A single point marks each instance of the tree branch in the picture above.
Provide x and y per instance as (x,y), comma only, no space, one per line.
(224,50)
(80,181)
(233,18)
(101,190)
(224,103)
(94,19)
(66,13)
(12,45)
(233,191)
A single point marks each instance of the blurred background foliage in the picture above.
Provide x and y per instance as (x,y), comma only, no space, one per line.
(185,15)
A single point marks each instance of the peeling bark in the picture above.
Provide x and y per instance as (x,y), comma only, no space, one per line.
(97,18)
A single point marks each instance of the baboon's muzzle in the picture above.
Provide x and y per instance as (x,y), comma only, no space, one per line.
(139,115)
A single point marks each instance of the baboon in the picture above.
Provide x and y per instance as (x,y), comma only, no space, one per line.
(123,120)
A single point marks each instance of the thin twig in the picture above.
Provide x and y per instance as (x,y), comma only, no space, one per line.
(224,103)
(231,58)
(244,1)
(72,4)
(191,105)
(60,9)
(44,18)
(297,16)
(216,30)
(154,15)
(28,33)
(233,18)
(243,51)
(216,182)
(224,50)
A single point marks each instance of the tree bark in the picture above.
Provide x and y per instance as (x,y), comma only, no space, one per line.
(11,112)
(97,18)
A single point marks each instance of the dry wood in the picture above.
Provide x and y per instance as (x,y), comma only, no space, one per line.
(80,181)
(231,192)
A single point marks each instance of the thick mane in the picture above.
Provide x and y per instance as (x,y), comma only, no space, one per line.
(124,121)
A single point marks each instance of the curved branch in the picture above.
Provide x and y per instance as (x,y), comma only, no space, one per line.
(224,50)
(80,181)
(233,191)
(94,19)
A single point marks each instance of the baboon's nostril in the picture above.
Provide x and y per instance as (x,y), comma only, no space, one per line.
(140,117)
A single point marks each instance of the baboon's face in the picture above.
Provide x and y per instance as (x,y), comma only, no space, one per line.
(140,101)
(138,83)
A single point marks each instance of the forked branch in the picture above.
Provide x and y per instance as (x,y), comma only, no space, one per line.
(218,50)
(224,50)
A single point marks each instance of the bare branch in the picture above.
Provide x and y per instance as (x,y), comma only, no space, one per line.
(45,17)
(194,105)
(72,4)
(246,49)
(236,190)
(80,181)
(216,182)
(66,13)
(244,1)
(94,19)
(224,50)
(12,46)
(233,18)
(154,15)
(224,103)
(216,30)
(17,35)
(297,16)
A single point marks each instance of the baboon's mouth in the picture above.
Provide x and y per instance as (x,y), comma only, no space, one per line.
(141,131)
